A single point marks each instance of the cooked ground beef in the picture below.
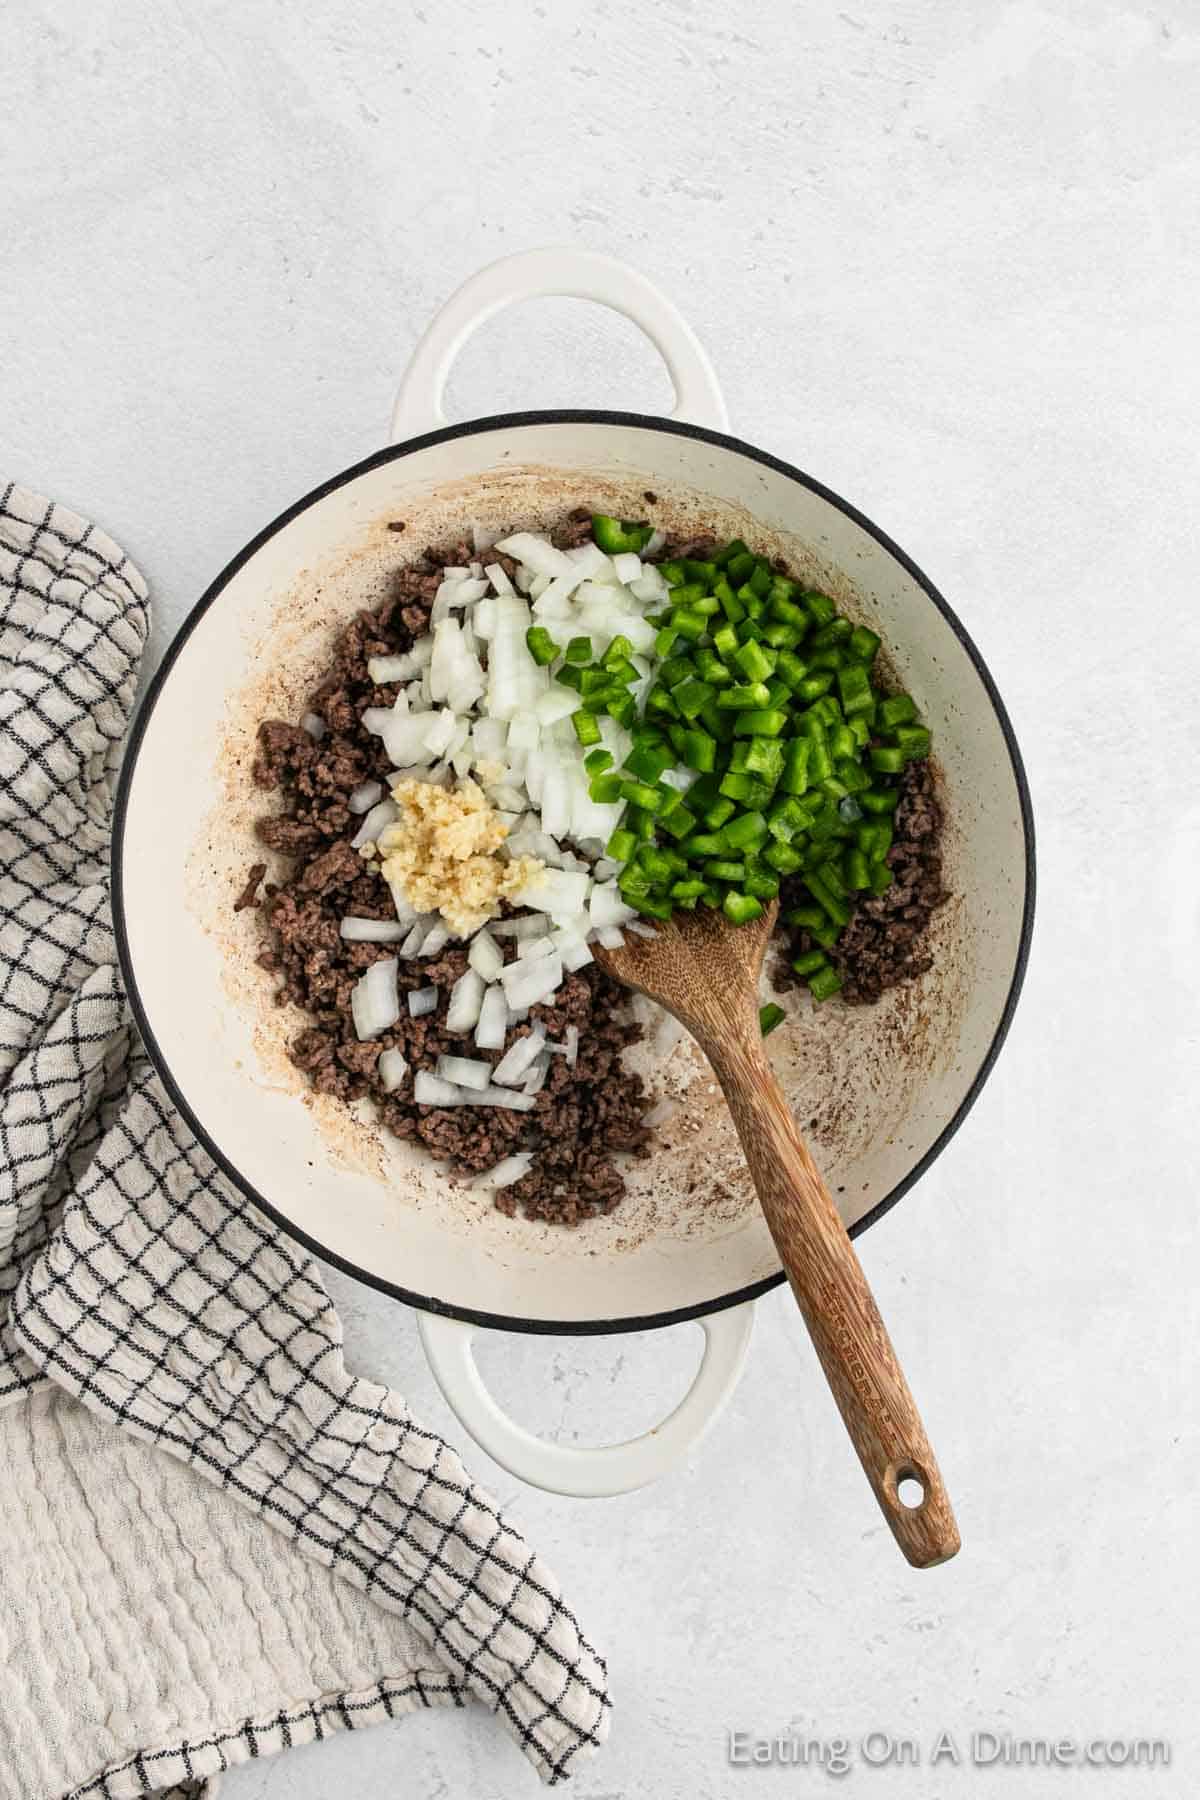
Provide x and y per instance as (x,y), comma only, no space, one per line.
(883,944)
(584,1114)
(249,894)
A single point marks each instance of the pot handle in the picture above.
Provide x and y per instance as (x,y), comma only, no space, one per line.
(587,1473)
(537,274)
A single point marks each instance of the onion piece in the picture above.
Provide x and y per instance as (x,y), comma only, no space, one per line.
(435,939)
(555,890)
(499,579)
(392,1067)
(482,537)
(558,703)
(314,724)
(422,1001)
(466,998)
(372,931)
(386,669)
(506,1172)
(375,1001)
(519,1058)
(528,925)
(464,1071)
(366,795)
(539,946)
(492,1028)
(628,566)
(380,816)
(431,1090)
(606,906)
(610,938)
(575,953)
(535,1081)
(537,553)
(497,1096)
(571,1043)
(640,929)
(485,956)
(421,927)
(530,982)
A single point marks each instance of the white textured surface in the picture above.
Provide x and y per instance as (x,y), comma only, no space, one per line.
(947,259)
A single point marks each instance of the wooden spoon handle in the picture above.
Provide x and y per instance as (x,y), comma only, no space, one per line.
(838,1306)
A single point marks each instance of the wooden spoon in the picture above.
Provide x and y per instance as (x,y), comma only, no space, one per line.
(705,971)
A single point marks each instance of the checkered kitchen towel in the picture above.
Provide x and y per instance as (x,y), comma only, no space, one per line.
(151,1630)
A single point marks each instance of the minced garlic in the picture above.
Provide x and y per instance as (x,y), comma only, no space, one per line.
(442,854)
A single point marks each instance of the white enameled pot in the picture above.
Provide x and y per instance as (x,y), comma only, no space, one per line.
(881,1089)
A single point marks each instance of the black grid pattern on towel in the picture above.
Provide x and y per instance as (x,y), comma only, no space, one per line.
(186,1771)
(136,1277)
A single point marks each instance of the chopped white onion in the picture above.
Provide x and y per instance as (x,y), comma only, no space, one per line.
(537,553)
(555,890)
(528,983)
(528,925)
(380,816)
(498,579)
(436,939)
(482,537)
(575,954)
(558,703)
(535,1081)
(519,1058)
(492,1028)
(505,1173)
(540,946)
(606,907)
(374,1002)
(571,1040)
(628,566)
(366,795)
(422,1001)
(314,725)
(372,931)
(385,669)
(464,1071)
(431,1090)
(485,955)
(466,998)
(610,938)
(497,1096)
(641,929)
(392,1069)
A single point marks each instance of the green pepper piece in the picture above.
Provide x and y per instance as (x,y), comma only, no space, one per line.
(641,795)
(741,908)
(897,709)
(617,537)
(770,1018)
(541,645)
(783,858)
(888,759)
(824,983)
(809,961)
(699,751)
(621,845)
(747,698)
